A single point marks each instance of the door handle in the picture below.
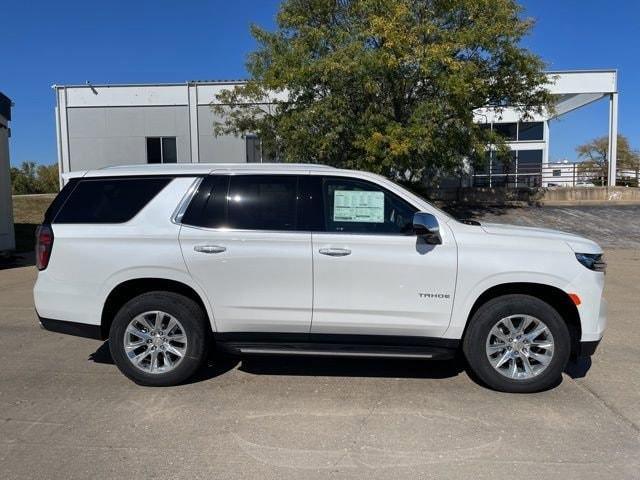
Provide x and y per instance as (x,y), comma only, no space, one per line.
(209,248)
(335,252)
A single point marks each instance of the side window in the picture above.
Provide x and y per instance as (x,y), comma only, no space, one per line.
(108,200)
(60,200)
(262,202)
(208,208)
(245,202)
(357,206)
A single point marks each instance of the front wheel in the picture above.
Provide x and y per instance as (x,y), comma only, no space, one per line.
(159,338)
(518,344)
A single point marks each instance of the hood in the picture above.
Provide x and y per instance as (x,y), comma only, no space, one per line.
(577,243)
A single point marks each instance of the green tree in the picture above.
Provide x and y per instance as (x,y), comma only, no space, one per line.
(31,178)
(48,179)
(595,156)
(388,86)
(24,179)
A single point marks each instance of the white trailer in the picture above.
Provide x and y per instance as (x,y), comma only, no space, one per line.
(7,237)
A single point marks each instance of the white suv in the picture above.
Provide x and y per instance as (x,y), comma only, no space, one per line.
(167,261)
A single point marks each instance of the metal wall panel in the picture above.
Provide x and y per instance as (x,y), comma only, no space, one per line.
(217,149)
(105,136)
(126,95)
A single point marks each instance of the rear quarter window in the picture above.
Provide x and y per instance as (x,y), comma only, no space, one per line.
(108,200)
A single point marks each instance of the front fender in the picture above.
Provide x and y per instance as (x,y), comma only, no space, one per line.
(464,301)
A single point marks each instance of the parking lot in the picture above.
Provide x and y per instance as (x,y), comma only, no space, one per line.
(67,412)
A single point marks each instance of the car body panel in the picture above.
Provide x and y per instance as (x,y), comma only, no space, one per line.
(388,285)
(89,260)
(277,282)
(262,281)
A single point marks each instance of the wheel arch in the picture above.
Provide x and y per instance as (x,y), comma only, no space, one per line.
(128,289)
(554,296)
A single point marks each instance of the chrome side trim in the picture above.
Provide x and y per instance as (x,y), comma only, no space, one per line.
(186,200)
(329,353)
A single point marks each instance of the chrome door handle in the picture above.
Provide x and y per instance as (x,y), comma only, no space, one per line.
(335,252)
(209,248)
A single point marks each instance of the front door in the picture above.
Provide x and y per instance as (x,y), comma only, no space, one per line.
(372,275)
(240,243)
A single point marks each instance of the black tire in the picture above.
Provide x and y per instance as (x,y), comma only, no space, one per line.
(187,312)
(474,343)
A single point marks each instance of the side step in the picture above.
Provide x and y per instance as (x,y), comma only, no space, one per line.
(339,350)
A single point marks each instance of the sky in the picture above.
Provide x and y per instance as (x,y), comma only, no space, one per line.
(148,41)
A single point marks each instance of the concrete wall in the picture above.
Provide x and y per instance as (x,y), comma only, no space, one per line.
(539,196)
(7,238)
(585,195)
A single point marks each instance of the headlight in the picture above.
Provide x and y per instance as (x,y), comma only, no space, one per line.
(593,261)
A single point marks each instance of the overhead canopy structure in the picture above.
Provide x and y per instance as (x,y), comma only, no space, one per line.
(579,88)
(572,89)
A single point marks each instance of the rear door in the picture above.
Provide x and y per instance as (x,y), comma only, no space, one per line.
(241,243)
(372,274)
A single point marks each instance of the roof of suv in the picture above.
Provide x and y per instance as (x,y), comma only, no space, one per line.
(193,169)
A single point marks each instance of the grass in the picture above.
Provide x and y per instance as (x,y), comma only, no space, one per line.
(28,212)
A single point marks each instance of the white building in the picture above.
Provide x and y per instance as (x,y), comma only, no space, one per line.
(7,238)
(101,125)
(570,174)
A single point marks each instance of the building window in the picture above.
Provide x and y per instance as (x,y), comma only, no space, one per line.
(530,161)
(508,130)
(161,150)
(523,168)
(257,151)
(557,173)
(521,131)
(254,149)
(530,131)
(529,168)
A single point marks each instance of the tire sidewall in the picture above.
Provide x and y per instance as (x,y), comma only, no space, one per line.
(474,344)
(188,313)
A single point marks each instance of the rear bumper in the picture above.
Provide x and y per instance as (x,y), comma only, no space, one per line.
(72,328)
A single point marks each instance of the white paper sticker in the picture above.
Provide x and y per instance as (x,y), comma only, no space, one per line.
(358,206)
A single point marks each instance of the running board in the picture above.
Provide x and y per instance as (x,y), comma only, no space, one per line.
(339,350)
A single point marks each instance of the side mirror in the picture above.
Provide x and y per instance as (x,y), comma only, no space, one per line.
(425,225)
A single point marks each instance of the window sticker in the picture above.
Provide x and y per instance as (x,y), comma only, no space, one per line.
(358,206)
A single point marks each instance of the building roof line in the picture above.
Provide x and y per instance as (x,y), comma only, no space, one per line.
(242,81)
(168,84)
(586,70)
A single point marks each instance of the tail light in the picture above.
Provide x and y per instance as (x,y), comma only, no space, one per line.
(44,244)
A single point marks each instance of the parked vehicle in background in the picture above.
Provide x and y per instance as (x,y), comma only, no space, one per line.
(169,261)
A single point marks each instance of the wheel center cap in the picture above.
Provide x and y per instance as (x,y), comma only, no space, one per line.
(157,341)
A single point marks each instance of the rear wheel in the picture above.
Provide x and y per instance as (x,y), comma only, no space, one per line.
(517,343)
(159,338)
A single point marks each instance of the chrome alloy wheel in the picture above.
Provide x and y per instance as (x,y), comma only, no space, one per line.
(155,342)
(520,347)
